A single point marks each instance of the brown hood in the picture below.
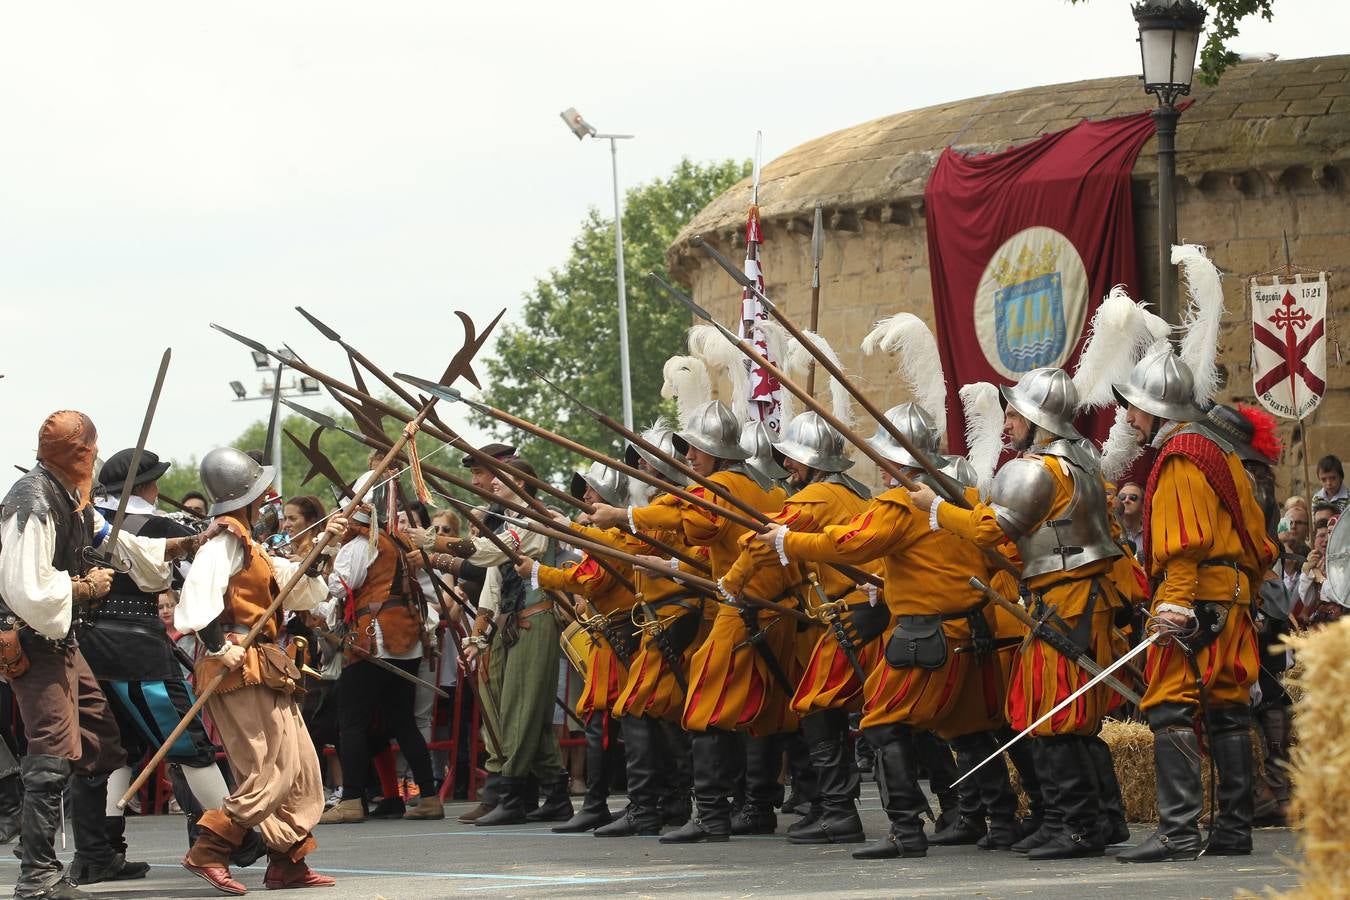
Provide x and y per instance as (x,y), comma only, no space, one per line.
(67,445)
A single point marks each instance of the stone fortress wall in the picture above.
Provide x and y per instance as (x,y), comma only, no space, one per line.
(1264,154)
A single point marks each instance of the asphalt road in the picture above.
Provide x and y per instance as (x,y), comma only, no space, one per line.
(399,859)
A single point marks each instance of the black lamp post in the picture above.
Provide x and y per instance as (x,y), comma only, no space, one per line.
(1169,35)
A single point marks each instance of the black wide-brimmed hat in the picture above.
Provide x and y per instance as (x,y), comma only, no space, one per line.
(114,472)
(500,452)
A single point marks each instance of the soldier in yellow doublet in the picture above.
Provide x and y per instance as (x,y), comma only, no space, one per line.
(1206,551)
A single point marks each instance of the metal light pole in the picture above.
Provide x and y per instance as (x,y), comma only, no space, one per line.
(582,129)
(1169,36)
(297,387)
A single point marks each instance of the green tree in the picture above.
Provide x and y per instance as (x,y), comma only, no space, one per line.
(568,328)
(1222,27)
(348,456)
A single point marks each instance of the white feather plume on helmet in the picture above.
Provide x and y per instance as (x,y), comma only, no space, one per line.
(920,366)
(1200,343)
(798,363)
(1121,331)
(984,430)
(685,380)
(722,360)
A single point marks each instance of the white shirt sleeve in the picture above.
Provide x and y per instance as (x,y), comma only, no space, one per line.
(202,599)
(350,566)
(35,590)
(145,556)
(308,591)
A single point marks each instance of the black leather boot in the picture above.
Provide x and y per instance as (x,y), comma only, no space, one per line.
(832,759)
(1023,760)
(44,780)
(716,756)
(804,793)
(1052,817)
(1111,825)
(1231,744)
(763,761)
(902,798)
(488,797)
(677,795)
(961,821)
(11,806)
(994,794)
(643,815)
(97,857)
(510,808)
(935,756)
(1078,801)
(1176,754)
(594,810)
(557,804)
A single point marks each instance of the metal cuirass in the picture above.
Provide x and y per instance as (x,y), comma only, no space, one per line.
(1079,536)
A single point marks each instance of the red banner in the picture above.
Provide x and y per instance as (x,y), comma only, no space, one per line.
(1023,245)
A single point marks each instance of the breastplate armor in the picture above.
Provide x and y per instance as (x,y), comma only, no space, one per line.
(1082,533)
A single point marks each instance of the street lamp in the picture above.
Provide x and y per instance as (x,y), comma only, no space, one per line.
(1169,35)
(583,129)
(267,390)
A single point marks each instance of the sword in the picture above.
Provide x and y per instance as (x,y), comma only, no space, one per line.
(103,557)
(1059,642)
(1104,675)
(349,642)
(830,610)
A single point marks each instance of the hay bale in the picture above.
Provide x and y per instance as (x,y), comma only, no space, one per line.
(1321,800)
(1131,745)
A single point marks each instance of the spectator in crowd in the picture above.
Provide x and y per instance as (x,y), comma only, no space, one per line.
(195,503)
(1131,497)
(1314,609)
(1332,475)
(301,514)
(1293,536)
(1323,512)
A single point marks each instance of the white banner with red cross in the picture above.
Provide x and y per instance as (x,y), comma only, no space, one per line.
(1289,345)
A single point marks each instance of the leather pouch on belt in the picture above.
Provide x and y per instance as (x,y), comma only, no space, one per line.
(917,642)
(13,660)
(265,665)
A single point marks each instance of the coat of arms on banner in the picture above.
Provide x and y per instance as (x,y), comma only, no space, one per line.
(1031,302)
(1289,345)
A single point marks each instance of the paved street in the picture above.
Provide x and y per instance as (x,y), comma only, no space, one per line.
(399,860)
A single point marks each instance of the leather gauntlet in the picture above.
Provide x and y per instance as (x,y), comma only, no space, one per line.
(181,547)
(83,591)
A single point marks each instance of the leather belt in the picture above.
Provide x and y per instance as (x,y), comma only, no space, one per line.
(230,628)
(535,609)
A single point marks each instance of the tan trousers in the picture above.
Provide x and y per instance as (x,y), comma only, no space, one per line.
(280,789)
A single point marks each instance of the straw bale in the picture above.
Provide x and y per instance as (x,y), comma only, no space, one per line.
(1320,760)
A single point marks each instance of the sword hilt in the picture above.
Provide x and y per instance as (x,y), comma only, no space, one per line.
(98,559)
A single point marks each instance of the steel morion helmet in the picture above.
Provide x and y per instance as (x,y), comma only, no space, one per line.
(233,480)
(1046,398)
(758,440)
(611,485)
(811,441)
(713,429)
(659,435)
(1161,385)
(913,422)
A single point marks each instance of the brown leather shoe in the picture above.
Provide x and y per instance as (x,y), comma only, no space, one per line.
(426,808)
(283,874)
(347,812)
(217,876)
(475,814)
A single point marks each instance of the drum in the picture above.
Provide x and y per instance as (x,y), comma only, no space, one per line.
(576,643)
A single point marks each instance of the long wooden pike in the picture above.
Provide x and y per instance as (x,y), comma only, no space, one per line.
(857,575)
(490,463)
(320,543)
(817,253)
(449,393)
(950,490)
(705,585)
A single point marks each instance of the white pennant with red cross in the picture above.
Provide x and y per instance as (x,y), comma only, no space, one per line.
(1289,345)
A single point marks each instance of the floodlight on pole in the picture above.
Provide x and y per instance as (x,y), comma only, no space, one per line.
(583,129)
(260,361)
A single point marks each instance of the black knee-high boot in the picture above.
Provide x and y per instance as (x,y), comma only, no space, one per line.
(902,798)
(96,859)
(994,793)
(1113,827)
(594,810)
(1079,806)
(826,734)
(763,762)
(1231,744)
(676,755)
(1176,754)
(643,815)
(716,759)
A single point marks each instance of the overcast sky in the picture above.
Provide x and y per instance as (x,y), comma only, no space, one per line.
(166,165)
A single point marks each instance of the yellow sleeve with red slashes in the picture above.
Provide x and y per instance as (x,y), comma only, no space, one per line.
(795,515)
(665,513)
(1188,525)
(586,578)
(887,524)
